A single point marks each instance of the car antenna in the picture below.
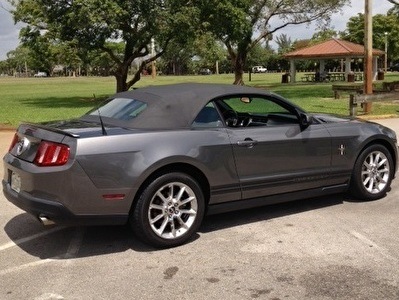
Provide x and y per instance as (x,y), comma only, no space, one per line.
(101,119)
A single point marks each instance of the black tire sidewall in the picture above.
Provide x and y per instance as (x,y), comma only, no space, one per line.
(139,218)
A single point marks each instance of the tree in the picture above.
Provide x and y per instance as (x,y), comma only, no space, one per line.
(20,60)
(92,24)
(323,35)
(207,50)
(202,51)
(241,25)
(176,60)
(40,47)
(5,68)
(381,24)
(69,55)
(284,43)
(259,55)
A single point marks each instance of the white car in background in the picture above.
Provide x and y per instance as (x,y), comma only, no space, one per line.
(259,69)
(40,74)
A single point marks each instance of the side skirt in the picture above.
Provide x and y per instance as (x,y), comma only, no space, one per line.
(274,199)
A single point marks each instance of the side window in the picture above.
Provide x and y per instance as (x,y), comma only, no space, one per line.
(208,117)
(254,111)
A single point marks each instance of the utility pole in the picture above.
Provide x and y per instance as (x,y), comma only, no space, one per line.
(368,44)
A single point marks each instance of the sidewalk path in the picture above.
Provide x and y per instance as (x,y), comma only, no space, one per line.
(5,141)
(392,123)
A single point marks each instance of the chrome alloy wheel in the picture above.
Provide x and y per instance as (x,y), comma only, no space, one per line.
(375,172)
(173,210)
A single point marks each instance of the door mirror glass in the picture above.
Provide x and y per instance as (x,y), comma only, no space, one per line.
(305,120)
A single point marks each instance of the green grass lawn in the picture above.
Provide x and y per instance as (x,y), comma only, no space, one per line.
(44,99)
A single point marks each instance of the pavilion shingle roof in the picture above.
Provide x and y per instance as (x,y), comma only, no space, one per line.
(333,48)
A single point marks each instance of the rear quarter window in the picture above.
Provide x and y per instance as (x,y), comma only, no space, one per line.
(120,109)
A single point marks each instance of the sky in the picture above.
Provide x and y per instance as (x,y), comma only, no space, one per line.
(9,31)
(338,21)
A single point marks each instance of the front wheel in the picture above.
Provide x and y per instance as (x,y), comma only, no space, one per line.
(169,210)
(372,174)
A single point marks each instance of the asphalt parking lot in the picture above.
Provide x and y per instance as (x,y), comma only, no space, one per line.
(319,248)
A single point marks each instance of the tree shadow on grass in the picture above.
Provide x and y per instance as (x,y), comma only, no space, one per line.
(65,102)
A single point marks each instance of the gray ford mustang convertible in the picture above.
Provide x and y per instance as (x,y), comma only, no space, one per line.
(159,158)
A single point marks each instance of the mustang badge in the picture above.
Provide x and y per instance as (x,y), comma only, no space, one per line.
(22,146)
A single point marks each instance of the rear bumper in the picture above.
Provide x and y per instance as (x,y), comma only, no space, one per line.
(57,212)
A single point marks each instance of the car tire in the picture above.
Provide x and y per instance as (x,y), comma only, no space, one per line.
(168,211)
(372,174)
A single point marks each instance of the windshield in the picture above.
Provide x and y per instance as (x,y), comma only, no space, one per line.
(120,109)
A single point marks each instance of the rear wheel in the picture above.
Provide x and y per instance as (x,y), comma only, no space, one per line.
(169,210)
(372,174)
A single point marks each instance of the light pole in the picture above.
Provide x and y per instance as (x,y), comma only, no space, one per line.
(386,52)
(153,70)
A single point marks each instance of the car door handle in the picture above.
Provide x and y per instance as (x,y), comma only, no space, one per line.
(248,142)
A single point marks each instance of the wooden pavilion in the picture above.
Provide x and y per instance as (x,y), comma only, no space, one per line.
(332,49)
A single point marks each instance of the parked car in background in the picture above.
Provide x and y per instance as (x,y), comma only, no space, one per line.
(395,68)
(40,74)
(161,157)
(205,71)
(259,69)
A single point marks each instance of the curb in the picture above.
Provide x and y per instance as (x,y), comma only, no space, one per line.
(7,128)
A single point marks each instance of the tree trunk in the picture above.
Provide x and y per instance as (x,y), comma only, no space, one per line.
(121,73)
(238,59)
(121,78)
(238,65)
(238,77)
(120,84)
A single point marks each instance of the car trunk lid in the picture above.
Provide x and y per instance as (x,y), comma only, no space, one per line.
(29,138)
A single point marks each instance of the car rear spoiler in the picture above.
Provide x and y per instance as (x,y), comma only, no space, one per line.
(52,129)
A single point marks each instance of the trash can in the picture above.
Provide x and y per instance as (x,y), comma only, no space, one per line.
(284,78)
(380,75)
(351,77)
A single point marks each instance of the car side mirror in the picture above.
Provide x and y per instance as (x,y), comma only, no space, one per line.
(304,120)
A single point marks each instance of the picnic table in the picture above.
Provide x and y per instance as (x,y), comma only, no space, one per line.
(330,76)
(336,76)
(351,88)
(308,77)
(320,77)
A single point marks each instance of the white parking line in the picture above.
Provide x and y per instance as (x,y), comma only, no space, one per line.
(76,242)
(370,243)
(72,251)
(49,296)
(29,238)
(24,266)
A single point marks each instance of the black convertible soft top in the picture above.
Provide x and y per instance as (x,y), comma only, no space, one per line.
(176,106)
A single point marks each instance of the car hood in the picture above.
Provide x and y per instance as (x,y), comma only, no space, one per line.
(331,119)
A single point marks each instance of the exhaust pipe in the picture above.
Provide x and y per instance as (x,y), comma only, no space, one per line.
(46,221)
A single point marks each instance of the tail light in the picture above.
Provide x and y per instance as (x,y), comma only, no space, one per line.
(51,154)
